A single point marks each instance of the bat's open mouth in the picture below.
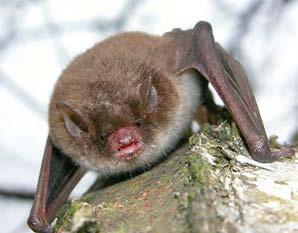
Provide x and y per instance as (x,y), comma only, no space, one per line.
(129,151)
(125,142)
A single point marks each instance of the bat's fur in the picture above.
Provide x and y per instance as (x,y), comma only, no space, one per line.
(102,86)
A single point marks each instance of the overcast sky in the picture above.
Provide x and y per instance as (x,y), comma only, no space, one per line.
(50,33)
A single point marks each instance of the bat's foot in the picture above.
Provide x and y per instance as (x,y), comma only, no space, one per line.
(211,116)
(283,153)
(38,224)
(261,151)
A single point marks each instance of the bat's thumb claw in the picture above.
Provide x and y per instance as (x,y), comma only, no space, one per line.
(38,224)
(262,153)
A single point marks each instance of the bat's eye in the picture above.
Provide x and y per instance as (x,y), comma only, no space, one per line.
(138,124)
(103,137)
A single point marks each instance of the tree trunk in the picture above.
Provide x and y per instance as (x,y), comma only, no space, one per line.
(210,186)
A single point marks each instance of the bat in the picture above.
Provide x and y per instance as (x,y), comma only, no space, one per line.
(124,104)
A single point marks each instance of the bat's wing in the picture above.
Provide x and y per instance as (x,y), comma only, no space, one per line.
(196,49)
(58,176)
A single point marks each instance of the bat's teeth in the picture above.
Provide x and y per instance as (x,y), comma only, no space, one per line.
(128,153)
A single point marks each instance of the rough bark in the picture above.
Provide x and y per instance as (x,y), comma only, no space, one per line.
(210,186)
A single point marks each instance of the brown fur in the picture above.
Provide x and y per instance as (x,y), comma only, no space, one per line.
(101,84)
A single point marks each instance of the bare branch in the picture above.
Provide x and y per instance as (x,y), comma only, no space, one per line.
(243,25)
(22,95)
(100,25)
(18,194)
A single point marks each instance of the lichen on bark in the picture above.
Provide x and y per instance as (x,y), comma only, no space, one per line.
(208,185)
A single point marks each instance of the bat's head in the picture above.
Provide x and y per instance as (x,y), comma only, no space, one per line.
(115,118)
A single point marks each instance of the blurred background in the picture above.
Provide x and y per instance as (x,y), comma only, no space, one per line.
(38,38)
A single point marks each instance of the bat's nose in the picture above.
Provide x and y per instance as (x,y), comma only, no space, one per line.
(125,137)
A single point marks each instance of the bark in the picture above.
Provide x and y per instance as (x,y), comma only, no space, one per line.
(208,185)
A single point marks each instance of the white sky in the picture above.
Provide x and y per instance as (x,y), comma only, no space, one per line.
(34,65)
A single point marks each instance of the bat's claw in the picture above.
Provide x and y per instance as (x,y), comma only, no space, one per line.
(283,153)
(261,151)
(38,224)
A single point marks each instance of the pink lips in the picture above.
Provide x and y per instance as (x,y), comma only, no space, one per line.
(125,142)
(128,152)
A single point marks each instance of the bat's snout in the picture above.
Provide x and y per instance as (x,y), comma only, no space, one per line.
(125,142)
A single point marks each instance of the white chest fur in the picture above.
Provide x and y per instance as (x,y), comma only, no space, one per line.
(189,88)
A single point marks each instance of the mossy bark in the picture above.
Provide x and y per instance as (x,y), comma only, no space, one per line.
(208,185)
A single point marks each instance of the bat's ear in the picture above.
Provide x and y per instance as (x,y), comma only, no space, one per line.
(73,120)
(148,94)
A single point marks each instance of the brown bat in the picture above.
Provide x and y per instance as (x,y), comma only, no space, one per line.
(123,104)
